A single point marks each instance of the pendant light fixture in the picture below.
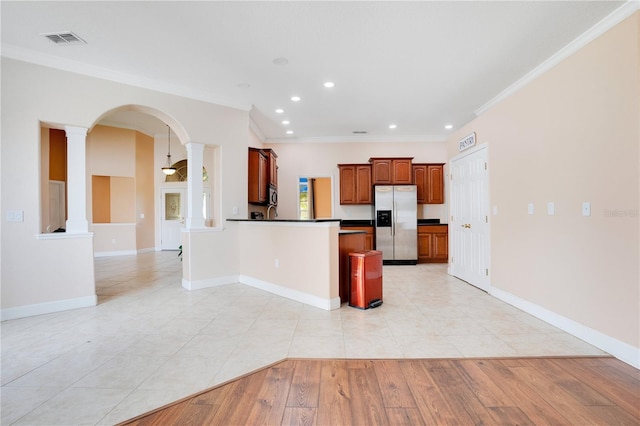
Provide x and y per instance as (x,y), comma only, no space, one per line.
(168,169)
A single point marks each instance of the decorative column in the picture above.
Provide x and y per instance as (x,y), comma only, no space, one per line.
(76,180)
(195,153)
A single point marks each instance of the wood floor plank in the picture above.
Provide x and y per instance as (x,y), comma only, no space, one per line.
(622,389)
(485,389)
(300,416)
(335,394)
(393,384)
(554,395)
(271,399)
(527,399)
(305,385)
(583,393)
(400,416)
(367,405)
(509,416)
(557,391)
(234,409)
(461,398)
(432,404)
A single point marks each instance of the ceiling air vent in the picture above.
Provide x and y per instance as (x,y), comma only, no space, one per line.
(359,132)
(64,38)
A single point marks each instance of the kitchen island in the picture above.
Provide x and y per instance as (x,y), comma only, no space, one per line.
(297,259)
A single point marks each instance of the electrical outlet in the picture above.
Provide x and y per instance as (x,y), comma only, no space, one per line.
(586,208)
(277,263)
(236,210)
(551,208)
(530,208)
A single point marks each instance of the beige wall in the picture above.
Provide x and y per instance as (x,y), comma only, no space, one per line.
(570,136)
(322,159)
(27,100)
(145,191)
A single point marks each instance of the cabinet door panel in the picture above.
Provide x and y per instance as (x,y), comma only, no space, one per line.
(440,246)
(347,185)
(257,185)
(435,174)
(402,172)
(381,171)
(363,184)
(424,246)
(420,179)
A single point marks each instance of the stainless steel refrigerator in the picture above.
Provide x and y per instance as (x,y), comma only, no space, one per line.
(395,213)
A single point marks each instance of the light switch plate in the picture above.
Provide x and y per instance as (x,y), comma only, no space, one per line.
(551,208)
(530,208)
(586,208)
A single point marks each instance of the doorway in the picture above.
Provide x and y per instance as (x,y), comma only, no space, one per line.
(469,224)
(173,209)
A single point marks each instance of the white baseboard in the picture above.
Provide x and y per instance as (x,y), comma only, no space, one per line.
(115,253)
(146,250)
(212,282)
(306,298)
(48,307)
(621,350)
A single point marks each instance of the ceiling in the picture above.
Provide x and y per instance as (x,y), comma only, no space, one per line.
(419,65)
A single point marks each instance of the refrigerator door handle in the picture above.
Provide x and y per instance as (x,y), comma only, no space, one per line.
(395,218)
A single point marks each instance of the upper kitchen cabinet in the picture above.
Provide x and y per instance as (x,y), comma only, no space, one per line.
(355,183)
(429,179)
(391,171)
(263,174)
(258,176)
(273,167)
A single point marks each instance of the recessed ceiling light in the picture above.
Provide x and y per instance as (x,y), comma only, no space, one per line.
(285,122)
(280,61)
(289,132)
(279,111)
(295,98)
(449,126)
(392,126)
(329,84)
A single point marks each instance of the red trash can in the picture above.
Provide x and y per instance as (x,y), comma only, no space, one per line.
(365,283)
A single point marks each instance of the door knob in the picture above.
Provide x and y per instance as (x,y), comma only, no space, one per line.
(466,225)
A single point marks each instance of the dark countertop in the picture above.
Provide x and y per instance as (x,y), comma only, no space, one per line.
(356,222)
(345,232)
(285,220)
(430,222)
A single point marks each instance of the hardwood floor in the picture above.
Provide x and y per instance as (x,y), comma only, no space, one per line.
(544,391)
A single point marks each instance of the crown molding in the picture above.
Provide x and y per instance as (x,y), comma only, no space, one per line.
(608,22)
(51,61)
(360,139)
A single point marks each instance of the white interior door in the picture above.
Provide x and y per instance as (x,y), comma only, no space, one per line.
(172,217)
(469,224)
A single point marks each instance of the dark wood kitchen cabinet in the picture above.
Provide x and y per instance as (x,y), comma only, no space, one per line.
(429,179)
(355,184)
(368,237)
(258,176)
(263,174)
(391,171)
(273,167)
(433,243)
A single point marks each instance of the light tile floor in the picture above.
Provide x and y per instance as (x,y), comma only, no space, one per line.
(150,342)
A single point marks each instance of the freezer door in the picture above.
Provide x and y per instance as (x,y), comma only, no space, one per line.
(406,223)
(384,217)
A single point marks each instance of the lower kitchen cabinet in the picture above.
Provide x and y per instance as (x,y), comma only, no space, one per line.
(433,243)
(368,236)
